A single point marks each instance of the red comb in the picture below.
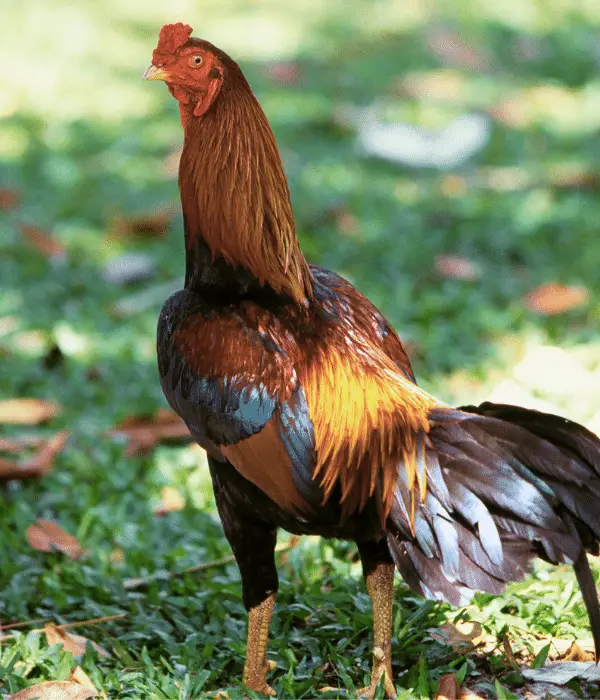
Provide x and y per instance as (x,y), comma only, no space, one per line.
(171,37)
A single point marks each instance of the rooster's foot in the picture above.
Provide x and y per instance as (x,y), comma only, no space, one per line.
(258,681)
(381,668)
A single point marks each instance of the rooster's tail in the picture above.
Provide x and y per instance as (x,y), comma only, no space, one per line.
(504,485)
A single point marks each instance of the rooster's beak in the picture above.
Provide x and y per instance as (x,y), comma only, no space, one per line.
(154,73)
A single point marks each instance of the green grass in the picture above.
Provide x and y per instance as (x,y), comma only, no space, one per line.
(83,139)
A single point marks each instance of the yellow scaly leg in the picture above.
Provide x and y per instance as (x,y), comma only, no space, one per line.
(380,585)
(257,666)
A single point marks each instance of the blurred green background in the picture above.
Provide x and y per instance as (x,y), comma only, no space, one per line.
(88,157)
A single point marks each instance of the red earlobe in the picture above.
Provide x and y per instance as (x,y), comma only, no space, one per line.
(208,98)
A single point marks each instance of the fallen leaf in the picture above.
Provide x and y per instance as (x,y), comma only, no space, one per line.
(27,411)
(78,675)
(452,49)
(117,556)
(448,688)
(573,176)
(577,652)
(563,672)
(38,464)
(510,656)
(74,643)
(555,298)
(9,198)
(43,242)
(55,690)
(145,433)
(462,636)
(48,536)
(284,73)
(456,267)
(170,501)
(513,112)
(453,186)
(150,225)
(549,691)
(445,85)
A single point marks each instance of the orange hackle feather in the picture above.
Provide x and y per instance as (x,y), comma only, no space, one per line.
(234,190)
(366,418)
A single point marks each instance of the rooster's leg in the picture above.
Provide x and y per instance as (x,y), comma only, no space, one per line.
(253,544)
(256,667)
(378,569)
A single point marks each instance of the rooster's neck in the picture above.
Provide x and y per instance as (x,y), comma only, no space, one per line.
(236,200)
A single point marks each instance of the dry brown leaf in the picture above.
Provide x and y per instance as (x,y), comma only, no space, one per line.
(144,225)
(446,85)
(38,464)
(74,643)
(48,536)
(453,186)
(573,176)
(145,433)
(462,636)
(510,656)
(448,688)
(513,112)
(555,298)
(457,267)
(9,198)
(466,694)
(27,411)
(452,49)
(55,690)
(78,675)
(43,242)
(170,501)
(577,653)
(284,73)
(117,556)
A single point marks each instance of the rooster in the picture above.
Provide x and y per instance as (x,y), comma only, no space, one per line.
(304,399)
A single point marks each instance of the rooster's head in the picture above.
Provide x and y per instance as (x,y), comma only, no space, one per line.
(193,69)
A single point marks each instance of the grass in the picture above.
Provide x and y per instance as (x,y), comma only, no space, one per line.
(84,141)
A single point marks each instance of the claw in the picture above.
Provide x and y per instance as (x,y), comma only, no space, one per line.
(380,669)
(264,688)
(258,683)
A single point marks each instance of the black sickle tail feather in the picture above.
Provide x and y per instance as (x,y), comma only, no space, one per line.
(585,578)
(504,485)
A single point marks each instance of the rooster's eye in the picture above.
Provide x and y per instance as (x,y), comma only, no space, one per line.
(196,61)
